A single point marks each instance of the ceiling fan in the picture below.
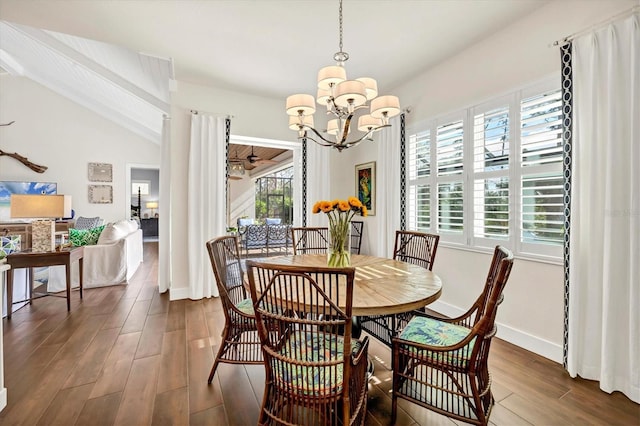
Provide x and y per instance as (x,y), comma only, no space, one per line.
(254,159)
(250,162)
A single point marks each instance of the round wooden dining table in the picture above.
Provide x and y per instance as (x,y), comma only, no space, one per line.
(382,286)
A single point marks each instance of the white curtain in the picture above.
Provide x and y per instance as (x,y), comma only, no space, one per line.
(318,186)
(164,242)
(604,282)
(206,211)
(387,188)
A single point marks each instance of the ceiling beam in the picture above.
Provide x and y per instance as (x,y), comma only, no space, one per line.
(82,60)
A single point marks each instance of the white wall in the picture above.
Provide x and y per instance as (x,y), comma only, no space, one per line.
(64,136)
(532,314)
(242,197)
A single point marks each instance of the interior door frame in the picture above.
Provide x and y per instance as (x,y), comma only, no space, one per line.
(296,148)
(128,194)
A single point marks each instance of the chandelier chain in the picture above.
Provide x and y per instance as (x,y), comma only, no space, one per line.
(340,21)
(341,56)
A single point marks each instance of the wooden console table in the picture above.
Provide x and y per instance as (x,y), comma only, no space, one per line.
(29,259)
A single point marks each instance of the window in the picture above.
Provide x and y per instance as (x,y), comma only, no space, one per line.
(497,177)
(419,170)
(274,196)
(140,185)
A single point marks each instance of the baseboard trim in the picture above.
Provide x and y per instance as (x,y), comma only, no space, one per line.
(179,293)
(519,338)
(3,398)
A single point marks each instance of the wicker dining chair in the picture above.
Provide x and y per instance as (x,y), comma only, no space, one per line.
(442,363)
(414,247)
(240,343)
(357,228)
(310,240)
(316,374)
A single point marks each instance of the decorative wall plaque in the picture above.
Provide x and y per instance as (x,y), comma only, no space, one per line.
(100,194)
(100,172)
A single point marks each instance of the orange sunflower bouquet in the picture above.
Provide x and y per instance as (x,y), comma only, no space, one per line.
(340,214)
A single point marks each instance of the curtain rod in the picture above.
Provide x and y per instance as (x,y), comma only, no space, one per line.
(219,114)
(597,26)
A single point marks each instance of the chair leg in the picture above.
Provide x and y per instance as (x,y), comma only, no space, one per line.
(394,407)
(223,342)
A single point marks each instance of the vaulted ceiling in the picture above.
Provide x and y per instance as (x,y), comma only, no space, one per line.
(270,48)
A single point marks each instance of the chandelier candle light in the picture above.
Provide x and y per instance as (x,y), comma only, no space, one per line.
(342,98)
(340,213)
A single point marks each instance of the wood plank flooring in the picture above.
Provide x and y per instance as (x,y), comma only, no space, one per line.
(126,355)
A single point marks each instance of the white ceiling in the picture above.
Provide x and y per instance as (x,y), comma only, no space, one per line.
(275,48)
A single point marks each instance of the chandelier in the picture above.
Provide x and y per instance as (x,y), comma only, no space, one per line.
(342,98)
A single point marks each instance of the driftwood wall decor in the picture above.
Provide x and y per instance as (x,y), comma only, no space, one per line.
(24,160)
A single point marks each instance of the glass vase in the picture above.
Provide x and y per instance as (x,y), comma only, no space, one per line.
(339,246)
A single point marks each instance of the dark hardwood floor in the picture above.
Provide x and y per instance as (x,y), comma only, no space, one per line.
(126,355)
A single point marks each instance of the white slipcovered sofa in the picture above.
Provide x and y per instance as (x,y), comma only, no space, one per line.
(113,260)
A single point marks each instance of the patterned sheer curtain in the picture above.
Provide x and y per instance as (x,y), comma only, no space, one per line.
(601,79)
(206,198)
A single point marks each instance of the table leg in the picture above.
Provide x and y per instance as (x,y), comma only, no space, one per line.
(30,280)
(68,273)
(80,265)
(9,292)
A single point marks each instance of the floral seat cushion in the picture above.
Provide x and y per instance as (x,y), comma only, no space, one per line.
(245,306)
(312,348)
(429,331)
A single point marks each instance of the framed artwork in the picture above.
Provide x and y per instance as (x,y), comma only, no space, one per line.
(100,172)
(100,194)
(366,185)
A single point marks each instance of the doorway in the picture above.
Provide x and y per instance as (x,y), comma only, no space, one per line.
(241,189)
(143,192)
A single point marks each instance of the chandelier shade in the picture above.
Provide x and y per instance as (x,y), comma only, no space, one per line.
(350,93)
(371,87)
(332,127)
(300,104)
(324,98)
(331,76)
(367,122)
(294,121)
(385,107)
(344,99)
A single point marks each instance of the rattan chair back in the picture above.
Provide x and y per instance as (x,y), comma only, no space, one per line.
(315,373)
(415,247)
(442,363)
(240,343)
(310,240)
(357,229)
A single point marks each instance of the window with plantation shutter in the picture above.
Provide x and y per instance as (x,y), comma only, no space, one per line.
(542,209)
(419,173)
(450,207)
(450,148)
(541,129)
(491,141)
(497,175)
(541,161)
